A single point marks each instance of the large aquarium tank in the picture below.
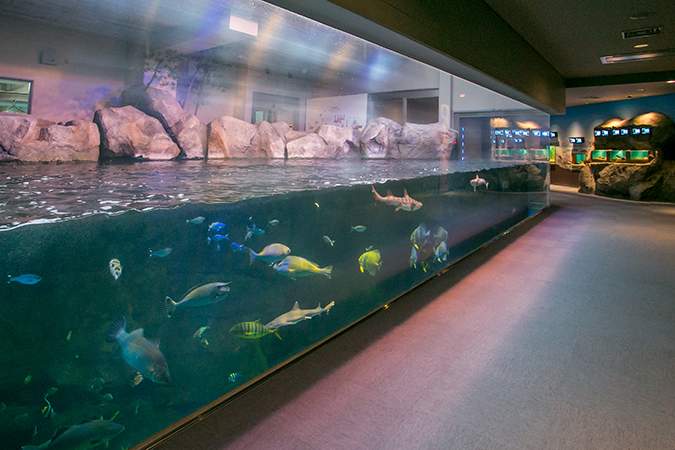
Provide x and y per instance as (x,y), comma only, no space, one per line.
(194,194)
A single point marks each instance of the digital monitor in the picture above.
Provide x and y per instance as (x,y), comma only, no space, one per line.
(499,132)
(646,130)
(605,132)
(545,133)
(516,132)
(526,133)
(597,133)
(615,132)
(637,131)
(536,133)
(554,134)
(576,140)
(624,131)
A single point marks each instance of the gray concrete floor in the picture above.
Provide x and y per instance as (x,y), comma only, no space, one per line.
(560,335)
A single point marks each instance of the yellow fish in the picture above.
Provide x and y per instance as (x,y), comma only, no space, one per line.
(251,330)
(296,266)
(370,261)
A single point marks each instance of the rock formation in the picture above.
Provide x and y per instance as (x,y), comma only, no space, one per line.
(271,138)
(342,142)
(128,132)
(233,138)
(310,146)
(427,141)
(182,126)
(380,139)
(30,139)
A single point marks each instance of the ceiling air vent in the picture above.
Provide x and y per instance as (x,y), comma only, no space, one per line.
(644,32)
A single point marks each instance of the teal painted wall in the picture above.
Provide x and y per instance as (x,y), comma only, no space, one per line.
(580,120)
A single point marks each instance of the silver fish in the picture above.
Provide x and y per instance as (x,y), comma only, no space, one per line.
(441,235)
(115,268)
(358,229)
(160,253)
(199,296)
(86,435)
(329,241)
(196,220)
(271,254)
(140,353)
(274,222)
(441,252)
(420,235)
(296,315)
(413,257)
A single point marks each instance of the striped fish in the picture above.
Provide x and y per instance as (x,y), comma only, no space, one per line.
(251,330)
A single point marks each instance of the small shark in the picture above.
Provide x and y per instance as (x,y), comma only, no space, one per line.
(406,203)
(296,315)
(477,182)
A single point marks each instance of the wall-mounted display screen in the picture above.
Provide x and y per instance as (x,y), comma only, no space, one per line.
(554,134)
(605,132)
(597,133)
(624,131)
(616,132)
(646,130)
(546,133)
(576,140)
(536,133)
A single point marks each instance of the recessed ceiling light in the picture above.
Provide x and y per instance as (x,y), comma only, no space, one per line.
(636,57)
(642,15)
(640,46)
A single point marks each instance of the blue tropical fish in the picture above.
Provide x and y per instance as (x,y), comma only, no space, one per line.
(218,237)
(216,227)
(236,247)
(28,278)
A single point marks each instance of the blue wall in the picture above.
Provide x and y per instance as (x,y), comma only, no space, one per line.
(580,120)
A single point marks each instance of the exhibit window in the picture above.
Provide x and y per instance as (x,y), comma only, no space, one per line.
(232,179)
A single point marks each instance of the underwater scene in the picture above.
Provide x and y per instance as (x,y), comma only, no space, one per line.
(190,287)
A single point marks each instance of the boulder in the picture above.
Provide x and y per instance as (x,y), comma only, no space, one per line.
(586,180)
(310,146)
(662,134)
(615,180)
(31,139)
(341,141)
(381,138)
(293,135)
(182,126)
(233,138)
(128,132)
(271,138)
(427,141)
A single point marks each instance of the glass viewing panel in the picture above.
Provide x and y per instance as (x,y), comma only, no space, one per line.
(15,96)
(248,183)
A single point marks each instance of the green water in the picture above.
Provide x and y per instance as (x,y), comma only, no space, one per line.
(55,331)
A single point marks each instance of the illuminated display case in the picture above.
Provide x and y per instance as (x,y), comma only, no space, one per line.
(244,183)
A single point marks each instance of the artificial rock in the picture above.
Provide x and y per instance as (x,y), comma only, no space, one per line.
(182,126)
(31,139)
(233,138)
(128,132)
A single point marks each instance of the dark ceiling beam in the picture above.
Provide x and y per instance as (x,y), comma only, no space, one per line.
(630,78)
(462,37)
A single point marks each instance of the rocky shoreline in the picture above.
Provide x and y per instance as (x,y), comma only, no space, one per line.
(150,125)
